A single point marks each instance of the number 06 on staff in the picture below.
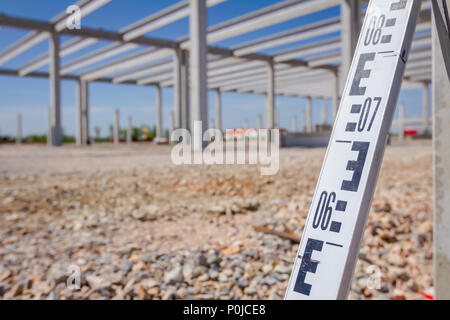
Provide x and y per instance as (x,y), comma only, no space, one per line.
(327,255)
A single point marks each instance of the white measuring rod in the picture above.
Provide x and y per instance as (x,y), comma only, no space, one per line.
(328,251)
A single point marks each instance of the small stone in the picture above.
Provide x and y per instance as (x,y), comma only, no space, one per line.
(168,295)
(217,209)
(202,260)
(8,200)
(213,274)
(174,276)
(267,268)
(204,277)
(250,291)
(251,204)
(190,271)
(235,249)
(182,293)
(126,266)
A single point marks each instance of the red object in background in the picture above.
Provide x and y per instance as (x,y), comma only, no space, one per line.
(427,296)
(410,132)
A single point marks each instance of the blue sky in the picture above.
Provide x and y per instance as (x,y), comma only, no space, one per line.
(31,96)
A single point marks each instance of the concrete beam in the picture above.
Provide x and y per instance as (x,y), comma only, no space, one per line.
(280,12)
(154,69)
(134,60)
(164,17)
(97,56)
(41,30)
(305,32)
(66,49)
(316,47)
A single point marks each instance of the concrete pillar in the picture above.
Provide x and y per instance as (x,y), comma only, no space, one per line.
(159,120)
(79,137)
(324,114)
(185,93)
(336,93)
(401,122)
(19,129)
(270,97)
(304,125)
(218,109)
(172,121)
(82,137)
(426,108)
(351,26)
(177,88)
(212,123)
(294,124)
(198,65)
(130,131)
(116,127)
(55,134)
(441,161)
(309,127)
(275,119)
(260,125)
(85,112)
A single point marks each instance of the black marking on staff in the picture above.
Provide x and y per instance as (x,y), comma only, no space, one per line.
(356,108)
(356,166)
(386,38)
(335,244)
(384,52)
(391,22)
(361,73)
(351,127)
(335,226)
(307,265)
(343,141)
(399,5)
(341,205)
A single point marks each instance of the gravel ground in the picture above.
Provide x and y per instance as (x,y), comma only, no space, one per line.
(137,227)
